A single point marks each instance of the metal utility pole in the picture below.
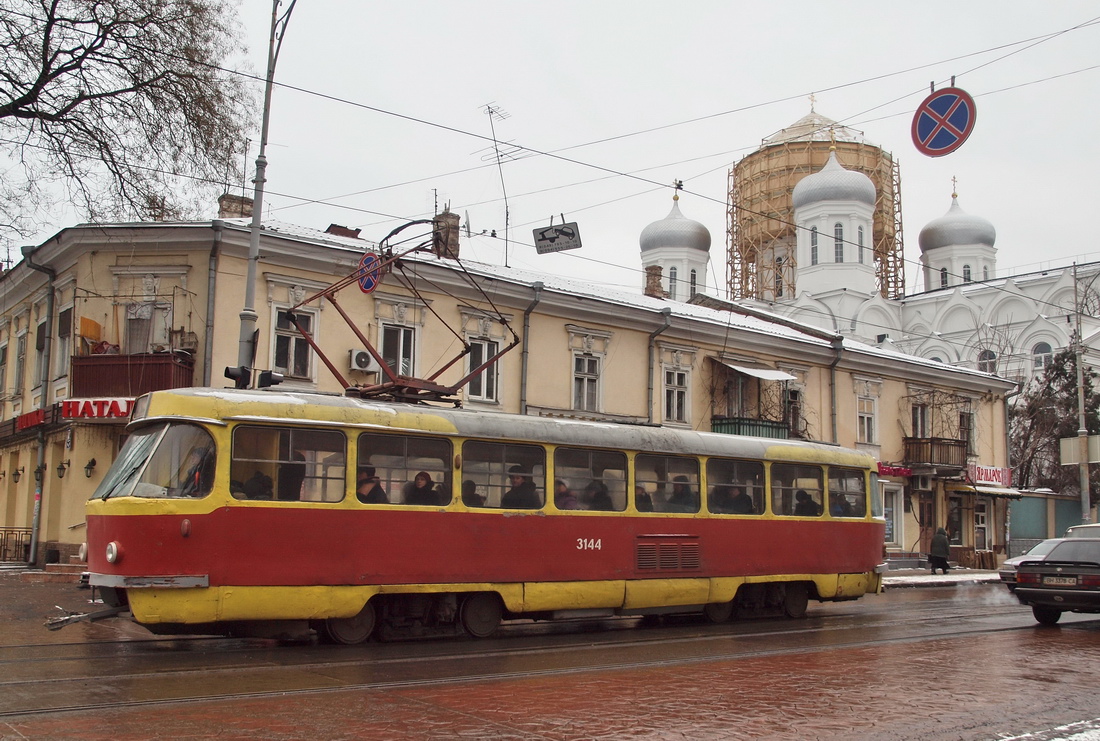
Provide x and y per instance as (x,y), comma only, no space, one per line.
(1082,428)
(245,348)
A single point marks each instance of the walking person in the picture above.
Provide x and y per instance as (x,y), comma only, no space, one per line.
(939,551)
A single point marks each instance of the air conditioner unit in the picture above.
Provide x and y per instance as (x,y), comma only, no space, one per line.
(361,360)
(922,483)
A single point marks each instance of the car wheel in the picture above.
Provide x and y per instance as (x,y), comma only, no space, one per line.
(1046,615)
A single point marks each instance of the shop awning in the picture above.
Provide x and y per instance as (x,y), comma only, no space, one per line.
(986,490)
(768,374)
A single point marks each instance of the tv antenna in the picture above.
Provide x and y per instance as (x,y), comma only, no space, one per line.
(496,113)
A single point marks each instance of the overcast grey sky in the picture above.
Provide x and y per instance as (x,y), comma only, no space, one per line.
(385,115)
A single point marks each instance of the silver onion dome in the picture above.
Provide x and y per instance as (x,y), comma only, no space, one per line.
(833,183)
(956,227)
(675,230)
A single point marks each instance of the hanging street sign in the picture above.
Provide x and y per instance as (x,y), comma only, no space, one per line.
(370,274)
(943,121)
(557,238)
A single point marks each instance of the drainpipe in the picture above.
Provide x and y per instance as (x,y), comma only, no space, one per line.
(537,285)
(211,281)
(40,468)
(838,348)
(666,313)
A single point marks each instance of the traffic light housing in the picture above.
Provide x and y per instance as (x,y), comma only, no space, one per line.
(240,375)
(268,378)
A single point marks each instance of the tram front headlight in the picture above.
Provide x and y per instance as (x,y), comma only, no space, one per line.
(114,552)
(82,554)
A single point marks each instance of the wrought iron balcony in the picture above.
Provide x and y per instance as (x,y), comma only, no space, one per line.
(750,427)
(129,375)
(934,451)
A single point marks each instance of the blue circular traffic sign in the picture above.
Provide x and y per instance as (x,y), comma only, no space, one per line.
(370,272)
(943,121)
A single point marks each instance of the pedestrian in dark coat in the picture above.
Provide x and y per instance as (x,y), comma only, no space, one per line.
(939,552)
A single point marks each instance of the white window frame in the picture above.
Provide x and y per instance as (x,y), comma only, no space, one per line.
(672,283)
(813,245)
(406,354)
(63,347)
(157,325)
(587,388)
(838,242)
(859,235)
(893,509)
(1041,359)
(20,376)
(867,420)
(294,340)
(485,386)
(919,420)
(677,385)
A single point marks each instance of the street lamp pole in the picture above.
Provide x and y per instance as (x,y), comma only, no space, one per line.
(246,349)
(1082,427)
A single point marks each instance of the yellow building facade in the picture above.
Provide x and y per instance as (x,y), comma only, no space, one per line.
(99,314)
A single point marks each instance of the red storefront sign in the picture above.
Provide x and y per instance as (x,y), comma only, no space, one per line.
(89,409)
(888,470)
(989,475)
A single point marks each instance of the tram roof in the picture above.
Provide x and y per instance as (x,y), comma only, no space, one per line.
(333,410)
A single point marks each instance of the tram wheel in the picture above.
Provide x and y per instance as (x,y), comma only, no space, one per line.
(718,612)
(480,614)
(1046,615)
(353,630)
(795,600)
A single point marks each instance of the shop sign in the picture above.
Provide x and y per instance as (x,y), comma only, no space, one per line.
(887,470)
(30,419)
(989,475)
(88,409)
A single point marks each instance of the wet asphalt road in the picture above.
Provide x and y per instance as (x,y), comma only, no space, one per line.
(959,662)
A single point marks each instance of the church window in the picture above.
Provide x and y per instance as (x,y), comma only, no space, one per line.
(943,277)
(987,361)
(966,273)
(694,283)
(1041,357)
(779,277)
(985,272)
(813,246)
(838,242)
(859,235)
(672,283)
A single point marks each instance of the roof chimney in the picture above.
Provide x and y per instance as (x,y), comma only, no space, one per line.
(445,235)
(653,281)
(342,231)
(234,207)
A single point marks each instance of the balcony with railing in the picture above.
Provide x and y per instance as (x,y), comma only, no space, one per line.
(129,375)
(751,427)
(934,451)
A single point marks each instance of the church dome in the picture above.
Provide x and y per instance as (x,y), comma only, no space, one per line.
(833,183)
(956,227)
(675,230)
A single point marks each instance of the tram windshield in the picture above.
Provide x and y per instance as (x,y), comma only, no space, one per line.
(169,460)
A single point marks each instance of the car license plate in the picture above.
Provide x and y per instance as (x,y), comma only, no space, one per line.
(1060,581)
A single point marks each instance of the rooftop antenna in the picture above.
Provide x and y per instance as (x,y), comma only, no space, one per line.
(496,113)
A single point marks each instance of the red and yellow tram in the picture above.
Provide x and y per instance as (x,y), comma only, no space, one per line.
(267,512)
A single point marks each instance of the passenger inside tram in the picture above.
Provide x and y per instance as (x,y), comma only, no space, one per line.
(368,487)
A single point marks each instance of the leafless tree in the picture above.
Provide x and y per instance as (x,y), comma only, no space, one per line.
(126,105)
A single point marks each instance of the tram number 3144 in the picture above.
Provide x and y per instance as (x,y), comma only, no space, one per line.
(589,544)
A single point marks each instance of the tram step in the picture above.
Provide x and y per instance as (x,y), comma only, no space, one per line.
(56,573)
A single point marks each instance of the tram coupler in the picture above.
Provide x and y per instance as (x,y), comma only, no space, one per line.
(57,623)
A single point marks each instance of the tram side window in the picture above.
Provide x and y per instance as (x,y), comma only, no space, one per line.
(671,482)
(595,478)
(287,464)
(512,476)
(410,469)
(847,492)
(736,487)
(181,465)
(796,490)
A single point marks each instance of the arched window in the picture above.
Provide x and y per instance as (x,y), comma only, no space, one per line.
(838,242)
(985,272)
(943,277)
(813,246)
(1041,357)
(672,283)
(966,273)
(859,235)
(936,358)
(694,282)
(987,361)
(779,277)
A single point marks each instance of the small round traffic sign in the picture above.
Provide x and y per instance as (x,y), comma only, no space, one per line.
(943,121)
(370,272)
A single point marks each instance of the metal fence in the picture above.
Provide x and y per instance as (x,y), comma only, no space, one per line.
(15,543)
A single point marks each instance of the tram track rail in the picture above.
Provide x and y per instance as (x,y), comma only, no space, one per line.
(385,667)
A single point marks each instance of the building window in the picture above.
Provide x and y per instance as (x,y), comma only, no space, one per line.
(966,273)
(865,407)
(920,420)
(39,352)
(586,382)
(987,361)
(397,348)
(20,362)
(838,242)
(859,237)
(966,430)
(893,511)
(483,386)
(694,283)
(943,277)
(1041,357)
(676,394)
(672,283)
(64,342)
(813,246)
(147,326)
(779,277)
(292,352)
(3,369)
(985,272)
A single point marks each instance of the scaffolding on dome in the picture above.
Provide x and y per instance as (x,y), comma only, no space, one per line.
(760,230)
